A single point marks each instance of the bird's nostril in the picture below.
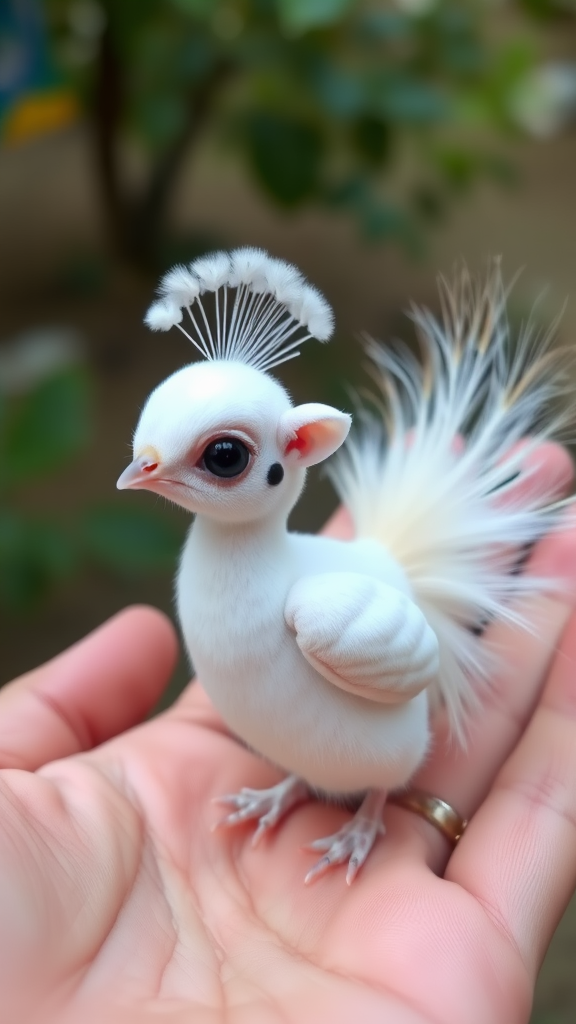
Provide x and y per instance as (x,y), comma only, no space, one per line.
(150,467)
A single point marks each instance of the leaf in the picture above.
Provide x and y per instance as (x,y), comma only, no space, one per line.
(196,56)
(131,539)
(34,554)
(381,221)
(169,60)
(47,427)
(159,118)
(348,192)
(459,167)
(303,15)
(126,18)
(23,583)
(54,545)
(341,92)
(372,139)
(409,100)
(545,10)
(201,9)
(387,25)
(285,153)
(511,64)
(464,56)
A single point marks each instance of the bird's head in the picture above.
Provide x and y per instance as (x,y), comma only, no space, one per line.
(224,440)
(221,437)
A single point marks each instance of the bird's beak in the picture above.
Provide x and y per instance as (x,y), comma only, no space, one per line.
(140,473)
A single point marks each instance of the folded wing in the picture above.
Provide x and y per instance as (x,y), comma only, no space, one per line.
(363,636)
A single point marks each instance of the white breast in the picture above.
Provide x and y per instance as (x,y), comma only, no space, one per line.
(231,602)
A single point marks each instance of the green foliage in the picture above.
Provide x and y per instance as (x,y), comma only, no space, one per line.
(41,433)
(286,153)
(34,553)
(135,540)
(302,15)
(46,427)
(313,94)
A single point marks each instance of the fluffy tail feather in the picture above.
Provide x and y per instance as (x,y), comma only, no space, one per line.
(440,472)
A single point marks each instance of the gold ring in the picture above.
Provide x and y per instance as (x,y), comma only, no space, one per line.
(434,810)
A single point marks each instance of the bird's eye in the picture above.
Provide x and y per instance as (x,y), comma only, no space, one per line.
(226,457)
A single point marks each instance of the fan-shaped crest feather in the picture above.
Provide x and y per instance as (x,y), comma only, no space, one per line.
(431,474)
(271,313)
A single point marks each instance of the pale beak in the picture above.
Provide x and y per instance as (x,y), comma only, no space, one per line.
(139,473)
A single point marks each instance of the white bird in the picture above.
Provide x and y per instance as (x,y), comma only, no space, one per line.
(329,658)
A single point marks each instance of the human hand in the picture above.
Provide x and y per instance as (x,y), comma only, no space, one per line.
(119,903)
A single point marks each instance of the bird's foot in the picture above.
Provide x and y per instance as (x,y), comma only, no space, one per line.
(353,841)
(268,805)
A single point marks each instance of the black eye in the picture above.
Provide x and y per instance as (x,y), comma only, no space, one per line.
(226,457)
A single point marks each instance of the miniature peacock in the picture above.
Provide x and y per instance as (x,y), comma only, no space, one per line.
(330,658)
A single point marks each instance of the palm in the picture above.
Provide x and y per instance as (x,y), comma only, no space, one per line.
(201,918)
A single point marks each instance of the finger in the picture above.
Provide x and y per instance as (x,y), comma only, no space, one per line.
(547,472)
(519,855)
(99,687)
(340,525)
(464,777)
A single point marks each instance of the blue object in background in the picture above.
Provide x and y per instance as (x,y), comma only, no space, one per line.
(24,65)
(31,99)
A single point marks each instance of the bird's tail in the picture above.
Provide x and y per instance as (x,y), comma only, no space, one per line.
(440,471)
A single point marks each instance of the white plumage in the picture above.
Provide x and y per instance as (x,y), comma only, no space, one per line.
(329,658)
(262,325)
(458,518)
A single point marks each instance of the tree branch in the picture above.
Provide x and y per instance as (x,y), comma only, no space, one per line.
(108,103)
(151,211)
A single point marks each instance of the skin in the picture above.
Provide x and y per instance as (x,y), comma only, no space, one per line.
(120,903)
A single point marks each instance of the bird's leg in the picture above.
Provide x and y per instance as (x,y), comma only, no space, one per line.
(353,841)
(268,805)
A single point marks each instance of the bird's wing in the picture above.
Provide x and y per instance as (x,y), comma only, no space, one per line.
(363,636)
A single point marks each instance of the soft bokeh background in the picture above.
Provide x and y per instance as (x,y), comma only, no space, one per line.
(373,143)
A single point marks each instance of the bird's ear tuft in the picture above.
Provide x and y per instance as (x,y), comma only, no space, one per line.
(310,433)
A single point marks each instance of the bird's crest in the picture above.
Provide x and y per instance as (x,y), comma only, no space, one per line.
(261,308)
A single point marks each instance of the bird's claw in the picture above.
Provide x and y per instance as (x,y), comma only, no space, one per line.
(266,805)
(351,843)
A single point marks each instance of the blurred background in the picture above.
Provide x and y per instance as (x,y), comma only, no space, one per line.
(372,143)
